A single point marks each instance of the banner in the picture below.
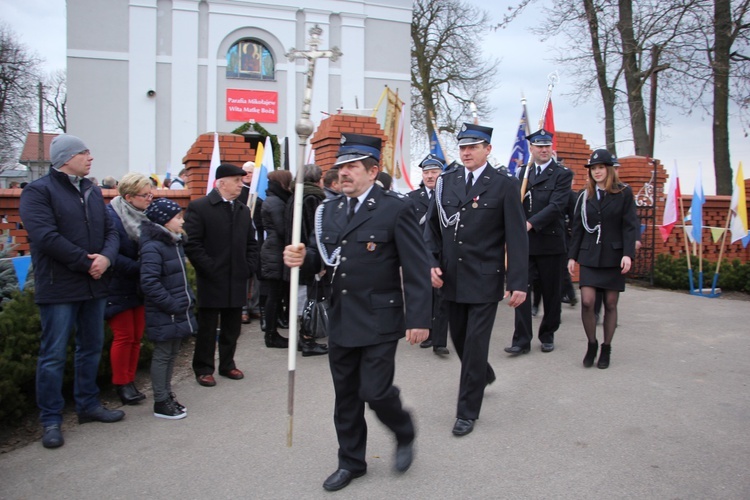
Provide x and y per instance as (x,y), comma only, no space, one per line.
(261,106)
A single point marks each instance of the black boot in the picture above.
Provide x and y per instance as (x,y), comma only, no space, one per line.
(309,347)
(588,360)
(262,318)
(137,392)
(273,339)
(604,356)
(128,394)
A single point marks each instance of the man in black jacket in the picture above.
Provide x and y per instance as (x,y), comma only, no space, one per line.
(73,244)
(221,246)
(544,206)
(368,239)
(476,212)
(432,167)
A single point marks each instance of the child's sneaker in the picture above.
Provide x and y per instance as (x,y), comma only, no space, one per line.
(177,403)
(167,409)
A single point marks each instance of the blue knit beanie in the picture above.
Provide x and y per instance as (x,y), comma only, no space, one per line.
(162,210)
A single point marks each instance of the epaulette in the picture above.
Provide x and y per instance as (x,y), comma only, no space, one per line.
(395,194)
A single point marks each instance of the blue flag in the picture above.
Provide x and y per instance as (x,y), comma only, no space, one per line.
(21,266)
(696,207)
(520,154)
(435,147)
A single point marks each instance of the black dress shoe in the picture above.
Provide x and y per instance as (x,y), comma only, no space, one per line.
(100,414)
(427,343)
(463,426)
(491,378)
(516,350)
(548,347)
(534,310)
(341,479)
(441,350)
(404,456)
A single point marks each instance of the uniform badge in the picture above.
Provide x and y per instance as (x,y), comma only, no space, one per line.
(475,203)
(343,139)
(371,246)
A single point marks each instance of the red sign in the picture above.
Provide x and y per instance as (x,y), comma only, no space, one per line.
(259,105)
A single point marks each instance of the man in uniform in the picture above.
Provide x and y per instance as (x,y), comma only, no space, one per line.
(544,206)
(477,211)
(368,239)
(432,166)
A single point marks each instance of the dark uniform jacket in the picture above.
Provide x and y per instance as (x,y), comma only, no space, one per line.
(64,226)
(221,246)
(472,254)
(380,246)
(544,206)
(421,203)
(619,230)
(169,298)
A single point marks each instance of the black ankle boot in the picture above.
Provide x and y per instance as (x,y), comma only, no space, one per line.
(604,356)
(588,360)
(137,392)
(273,339)
(309,347)
(128,394)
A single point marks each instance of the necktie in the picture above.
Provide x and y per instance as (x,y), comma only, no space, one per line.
(352,205)
(429,194)
(600,193)
(469,181)
(538,170)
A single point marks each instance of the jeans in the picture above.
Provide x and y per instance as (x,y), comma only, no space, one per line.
(58,321)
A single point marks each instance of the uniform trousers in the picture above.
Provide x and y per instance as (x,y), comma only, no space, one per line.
(549,271)
(205,342)
(439,330)
(365,375)
(471,328)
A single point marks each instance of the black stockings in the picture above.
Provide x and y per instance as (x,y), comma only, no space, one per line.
(588,298)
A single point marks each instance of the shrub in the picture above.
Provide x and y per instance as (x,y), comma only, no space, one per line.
(671,272)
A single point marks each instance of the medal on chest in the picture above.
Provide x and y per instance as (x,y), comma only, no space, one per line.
(475,202)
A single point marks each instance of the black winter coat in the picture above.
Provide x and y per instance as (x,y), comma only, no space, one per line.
(221,246)
(124,288)
(312,197)
(271,253)
(169,299)
(64,226)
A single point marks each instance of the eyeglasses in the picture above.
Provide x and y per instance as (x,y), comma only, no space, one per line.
(146,196)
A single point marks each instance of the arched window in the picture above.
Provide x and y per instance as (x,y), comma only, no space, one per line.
(250,59)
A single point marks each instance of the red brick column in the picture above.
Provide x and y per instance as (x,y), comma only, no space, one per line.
(233,149)
(327,138)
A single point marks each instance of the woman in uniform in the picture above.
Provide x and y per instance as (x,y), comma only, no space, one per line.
(605,229)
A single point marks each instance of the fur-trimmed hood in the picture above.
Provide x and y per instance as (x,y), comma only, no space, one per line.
(152,231)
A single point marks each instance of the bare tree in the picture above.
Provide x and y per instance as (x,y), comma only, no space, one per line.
(447,69)
(56,100)
(18,99)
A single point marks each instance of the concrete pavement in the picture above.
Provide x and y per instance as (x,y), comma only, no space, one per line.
(668,419)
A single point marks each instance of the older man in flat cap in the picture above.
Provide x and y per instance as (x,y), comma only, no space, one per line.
(367,238)
(73,244)
(221,246)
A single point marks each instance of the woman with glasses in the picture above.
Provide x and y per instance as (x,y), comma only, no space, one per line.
(124,312)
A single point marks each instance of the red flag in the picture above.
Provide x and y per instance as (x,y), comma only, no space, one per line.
(549,125)
(671,208)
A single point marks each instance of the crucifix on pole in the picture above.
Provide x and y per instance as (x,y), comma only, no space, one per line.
(304,128)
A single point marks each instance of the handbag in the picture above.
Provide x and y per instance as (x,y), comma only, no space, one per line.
(315,315)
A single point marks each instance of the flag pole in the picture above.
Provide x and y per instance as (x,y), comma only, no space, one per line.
(721,252)
(304,128)
(687,245)
(552,78)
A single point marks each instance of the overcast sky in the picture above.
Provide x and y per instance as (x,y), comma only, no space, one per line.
(525,63)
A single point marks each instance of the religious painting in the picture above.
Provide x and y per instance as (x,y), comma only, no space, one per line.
(249,59)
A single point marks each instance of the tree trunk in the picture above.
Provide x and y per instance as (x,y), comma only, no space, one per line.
(633,79)
(607,92)
(722,44)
